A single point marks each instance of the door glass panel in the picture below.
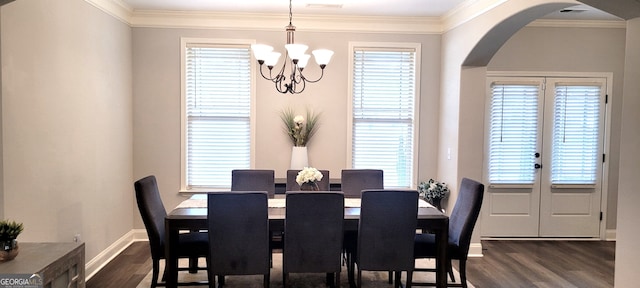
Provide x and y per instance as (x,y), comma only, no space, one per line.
(575,134)
(513,133)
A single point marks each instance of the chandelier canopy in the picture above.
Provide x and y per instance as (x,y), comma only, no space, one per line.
(295,55)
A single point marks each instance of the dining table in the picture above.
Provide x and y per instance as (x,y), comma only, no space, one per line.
(191,215)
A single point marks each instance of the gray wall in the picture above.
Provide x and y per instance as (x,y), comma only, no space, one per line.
(574,50)
(156,56)
(66,121)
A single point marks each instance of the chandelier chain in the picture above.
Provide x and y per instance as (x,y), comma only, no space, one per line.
(290,13)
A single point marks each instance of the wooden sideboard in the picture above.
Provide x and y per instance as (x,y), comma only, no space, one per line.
(59,264)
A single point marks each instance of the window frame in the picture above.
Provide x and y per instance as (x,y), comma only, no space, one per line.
(386,46)
(184,42)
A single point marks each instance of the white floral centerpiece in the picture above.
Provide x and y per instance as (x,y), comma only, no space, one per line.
(433,191)
(309,176)
(299,130)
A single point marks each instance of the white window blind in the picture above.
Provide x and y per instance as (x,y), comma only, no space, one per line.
(513,133)
(218,110)
(384,96)
(575,134)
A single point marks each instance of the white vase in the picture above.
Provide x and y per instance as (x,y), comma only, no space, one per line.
(299,158)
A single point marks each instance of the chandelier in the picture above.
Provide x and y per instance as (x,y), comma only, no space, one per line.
(295,59)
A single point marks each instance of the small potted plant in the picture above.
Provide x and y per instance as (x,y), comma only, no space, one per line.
(9,231)
(433,192)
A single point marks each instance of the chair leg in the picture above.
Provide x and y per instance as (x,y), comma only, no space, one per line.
(285,280)
(359,278)
(409,279)
(154,277)
(211,277)
(212,280)
(337,282)
(398,280)
(267,279)
(329,279)
(463,273)
(193,265)
(390,277)
(350,270)
(450,269)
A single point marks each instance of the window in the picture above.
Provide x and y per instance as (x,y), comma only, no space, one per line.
(513,132)
(576,134)
(384,91)
(216,112)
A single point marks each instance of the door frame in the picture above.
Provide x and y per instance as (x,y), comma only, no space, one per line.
(607,127)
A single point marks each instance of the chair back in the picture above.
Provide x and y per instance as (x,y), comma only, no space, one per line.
(253,180)
(152,212)
(388,221)
(313,231)
(356,180)
(292,185)
(238,233)
(465,214)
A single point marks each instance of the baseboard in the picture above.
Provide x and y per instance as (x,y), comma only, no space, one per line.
(610,235)
(94,265)
(475,250)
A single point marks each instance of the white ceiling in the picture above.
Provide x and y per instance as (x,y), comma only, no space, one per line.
(423,8)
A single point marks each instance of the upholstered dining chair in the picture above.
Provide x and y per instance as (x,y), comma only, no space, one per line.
(253,180)
(191,245)
(355,180)
(257,180)
(238,225)
(461,223)
(313,234)
(386,232)
(292,185)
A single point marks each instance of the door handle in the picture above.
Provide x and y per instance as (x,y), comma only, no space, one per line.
(537,166)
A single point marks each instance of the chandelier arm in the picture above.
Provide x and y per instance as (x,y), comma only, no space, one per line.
(313,81)
(279,82)
(304,85)
(296,75)
(270,78)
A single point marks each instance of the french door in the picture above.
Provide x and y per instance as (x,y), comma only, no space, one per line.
(545,156)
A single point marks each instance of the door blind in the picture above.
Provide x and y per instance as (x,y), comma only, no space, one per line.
(575,134)
(384,93)
(218,109)
(513,133)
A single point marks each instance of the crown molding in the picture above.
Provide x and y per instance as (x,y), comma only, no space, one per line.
(461,14)
(115,8)
(277,22)
(467,11)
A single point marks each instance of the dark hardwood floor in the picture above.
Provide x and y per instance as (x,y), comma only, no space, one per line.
(515,264)
(506,264)
(125,270)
